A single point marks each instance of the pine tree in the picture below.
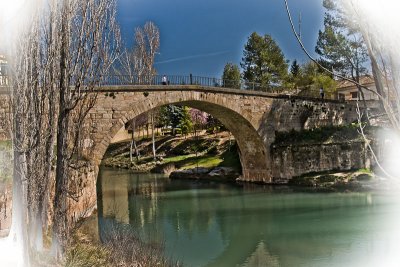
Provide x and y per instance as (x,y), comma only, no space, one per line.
(263,62)
(341,47)
(231,76)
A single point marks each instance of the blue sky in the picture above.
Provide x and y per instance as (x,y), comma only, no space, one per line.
(201,36)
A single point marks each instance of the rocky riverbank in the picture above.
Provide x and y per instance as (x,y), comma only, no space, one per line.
(356,180)
(214,174)
(330,158)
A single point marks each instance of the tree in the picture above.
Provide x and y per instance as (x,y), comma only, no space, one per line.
(176,117)
(263,62)
(231,76)
(136,65)
(172,116)
(294,77)
(213,124)
(361,15)
(185,122)
(381,47)
(295,69)
(341,47)
(199,119)
(53,78)
(310,79)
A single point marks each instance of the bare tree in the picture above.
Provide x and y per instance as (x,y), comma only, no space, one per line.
(64,51)
(133,142)
(383,61)
(88,41)
(382,52)
(137,64)
(153,115)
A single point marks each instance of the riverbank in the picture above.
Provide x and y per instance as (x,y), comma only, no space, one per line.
(120,246)
(352,181)
(323,158)
(208,153)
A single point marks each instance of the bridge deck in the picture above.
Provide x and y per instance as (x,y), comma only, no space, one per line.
(125,83)
(4,90)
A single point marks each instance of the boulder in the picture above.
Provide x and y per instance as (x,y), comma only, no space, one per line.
(222,171)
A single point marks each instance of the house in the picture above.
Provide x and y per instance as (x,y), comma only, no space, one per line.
(347,90)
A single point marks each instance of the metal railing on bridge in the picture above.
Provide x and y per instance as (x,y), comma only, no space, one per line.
(187,80)
(171,80)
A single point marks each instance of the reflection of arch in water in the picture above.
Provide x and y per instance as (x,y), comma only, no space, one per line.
(261,257)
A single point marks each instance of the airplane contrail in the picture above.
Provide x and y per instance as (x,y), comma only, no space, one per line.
(192,57)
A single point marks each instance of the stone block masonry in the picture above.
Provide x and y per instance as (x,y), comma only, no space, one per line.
(289,161)
(252,117)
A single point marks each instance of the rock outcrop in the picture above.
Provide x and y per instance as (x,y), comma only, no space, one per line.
(218,173)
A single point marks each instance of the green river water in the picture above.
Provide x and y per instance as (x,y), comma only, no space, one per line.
(214,224)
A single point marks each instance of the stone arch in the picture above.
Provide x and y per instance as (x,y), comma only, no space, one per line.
(253,153)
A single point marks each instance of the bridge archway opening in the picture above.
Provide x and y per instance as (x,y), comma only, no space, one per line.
(252,152)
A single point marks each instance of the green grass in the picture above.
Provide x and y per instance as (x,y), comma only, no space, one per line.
(177,158)
(203,161)
(365,170)
(229,158)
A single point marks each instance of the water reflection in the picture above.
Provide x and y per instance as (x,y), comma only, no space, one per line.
(211,224)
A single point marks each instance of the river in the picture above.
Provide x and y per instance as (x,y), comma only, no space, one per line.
(215,224)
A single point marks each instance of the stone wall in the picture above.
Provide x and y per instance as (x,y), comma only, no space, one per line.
(294,160)
(252,117)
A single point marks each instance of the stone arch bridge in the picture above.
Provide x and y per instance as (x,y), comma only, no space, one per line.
(253,117)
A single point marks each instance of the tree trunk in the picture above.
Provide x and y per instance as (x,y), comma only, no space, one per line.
(153,136)
(60,232)
(19,229)
(133,143)
(60,227)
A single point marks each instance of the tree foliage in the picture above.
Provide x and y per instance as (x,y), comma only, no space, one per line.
(340,46)
(294,77)
(263,61)
(176,117)
(231,76)
(309,79)
(185,123)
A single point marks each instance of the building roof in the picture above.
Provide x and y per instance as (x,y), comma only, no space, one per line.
(365,80)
